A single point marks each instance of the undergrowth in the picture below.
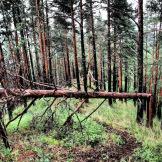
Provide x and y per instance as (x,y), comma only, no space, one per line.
(39,129)
(41,134)
(122,116)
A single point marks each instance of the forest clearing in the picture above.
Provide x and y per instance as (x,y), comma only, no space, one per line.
(80,80)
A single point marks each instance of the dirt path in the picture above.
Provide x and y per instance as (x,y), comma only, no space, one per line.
(111,152)
(107,152)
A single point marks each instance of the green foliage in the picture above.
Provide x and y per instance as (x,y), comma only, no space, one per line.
(5,153)
(42,157)
(24,124)
(120,116)
(91,134)
(88,132)
(151,153)
(116,139)
(35,110)
(49,140)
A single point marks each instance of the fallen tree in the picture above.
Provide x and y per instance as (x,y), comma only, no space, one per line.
(7,94)
(29,93)
(70,94)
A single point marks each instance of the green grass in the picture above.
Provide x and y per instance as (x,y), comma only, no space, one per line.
(70,137)
(121,116)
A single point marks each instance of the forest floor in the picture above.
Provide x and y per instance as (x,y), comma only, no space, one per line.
(109,134)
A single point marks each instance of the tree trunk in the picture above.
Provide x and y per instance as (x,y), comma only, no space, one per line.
(31,61)
(108,49)
(19,21)
(114,63)
(65,70)
(3,74)
(3,133)
(67,59)
(126,78)
(83,48)
(75,47)
(89,64)
(94,48)
(120,74)
(36,52)
(73,70)
(19,80)
(157,53)
(100,67)
(71,94)
(41,39)
(55,70)
(146,66)
(140,57)
(49,45)
(104,76)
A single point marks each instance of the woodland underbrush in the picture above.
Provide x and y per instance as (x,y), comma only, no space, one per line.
(45,134)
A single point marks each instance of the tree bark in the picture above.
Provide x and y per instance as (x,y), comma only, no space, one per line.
(41,39)
(75,47)
(120,74)
(36,52)
(3,74)
(140,58)
(109,49)
(114,63)
(83,48)
(49,45)
(70,94)
(31,61)
(94,48)
(100,67)
(126,78)
(19,21)
(67,59)
(3,134)
(18,55)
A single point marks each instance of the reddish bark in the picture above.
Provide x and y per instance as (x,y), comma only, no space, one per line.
(100,68)
(67,59)
(120,75)
(146,66)
(89,63)
(150,105)
(71,94)
(48,43)
(41,40)
(36,51)
(75,47)
(157,54)
(160,94)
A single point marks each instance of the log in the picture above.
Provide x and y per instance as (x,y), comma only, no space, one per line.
(70,94)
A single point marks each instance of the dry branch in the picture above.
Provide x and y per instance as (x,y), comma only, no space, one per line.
(22,113)
(69,118)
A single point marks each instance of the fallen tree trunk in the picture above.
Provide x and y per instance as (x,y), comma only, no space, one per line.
(70,94)
(5,93)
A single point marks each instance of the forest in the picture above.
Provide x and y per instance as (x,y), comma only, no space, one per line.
(80,80)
